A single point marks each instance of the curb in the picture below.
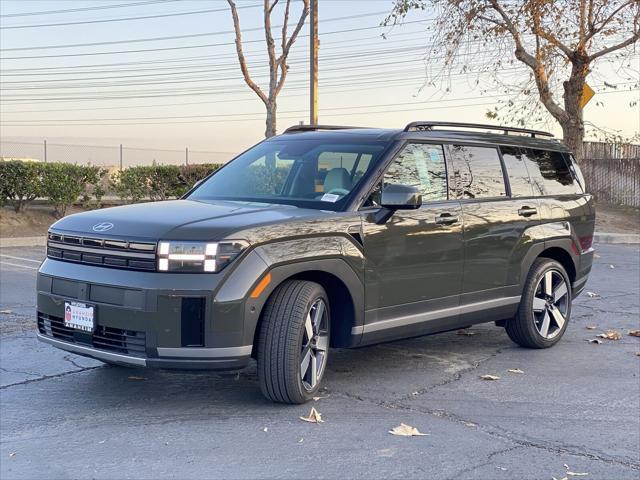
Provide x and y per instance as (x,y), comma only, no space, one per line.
(601,238)
(23,242)
(616,238)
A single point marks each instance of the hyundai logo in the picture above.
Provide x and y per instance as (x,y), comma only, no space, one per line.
(102,227)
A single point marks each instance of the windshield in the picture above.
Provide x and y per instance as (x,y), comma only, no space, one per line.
(307,173)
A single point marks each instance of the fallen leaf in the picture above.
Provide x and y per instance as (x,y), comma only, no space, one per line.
(502,468)
(611,266)
(470,424)
(577,474)
(101,442)
(315,399)
(489,377)
(6,312)
(563,478)
(591,327)
(404,430)
(12,454)
(515,370)
(637,354)
(133,377)
(265,429)
(468,333)
(301,440)
(611,335)
(634,333)
(592,294)
(595,340)
(314,417)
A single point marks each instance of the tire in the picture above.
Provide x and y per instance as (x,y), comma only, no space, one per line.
(544,311)
(286,346)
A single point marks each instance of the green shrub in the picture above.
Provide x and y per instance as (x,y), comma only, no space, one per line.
(20,182)
(131,184)
(63,183)
(163,181)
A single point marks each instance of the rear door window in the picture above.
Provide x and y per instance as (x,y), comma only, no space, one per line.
(517,172)
(549,172)
(477,172)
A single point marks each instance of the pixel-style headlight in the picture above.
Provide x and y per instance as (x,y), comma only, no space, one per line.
(179,256)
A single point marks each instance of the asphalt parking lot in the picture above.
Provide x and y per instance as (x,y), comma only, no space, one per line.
(575,409)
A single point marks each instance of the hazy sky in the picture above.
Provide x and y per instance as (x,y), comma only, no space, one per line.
(188,91)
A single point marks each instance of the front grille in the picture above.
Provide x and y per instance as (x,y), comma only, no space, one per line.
(128,342)
(130,255)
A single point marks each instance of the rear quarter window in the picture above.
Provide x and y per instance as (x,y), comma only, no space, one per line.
(549,172)
(516,166)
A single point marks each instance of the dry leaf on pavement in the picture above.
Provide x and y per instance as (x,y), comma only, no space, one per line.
(404,430)
(634,333)
(468,333)
(6,312)
(611,335)
(12,454)
(515,370)
(133,377)
(577,474)
(591,327)
(314,417)
(611,266)
(489,377)
(592,294)
(597,341)
(637,354)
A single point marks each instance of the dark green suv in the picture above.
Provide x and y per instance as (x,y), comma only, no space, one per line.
(327,236)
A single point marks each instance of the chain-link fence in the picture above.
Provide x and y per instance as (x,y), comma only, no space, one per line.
(117,156)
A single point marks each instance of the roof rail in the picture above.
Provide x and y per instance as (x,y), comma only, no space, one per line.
(311,128)
(428,126)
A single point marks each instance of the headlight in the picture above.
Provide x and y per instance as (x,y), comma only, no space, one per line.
(177,256)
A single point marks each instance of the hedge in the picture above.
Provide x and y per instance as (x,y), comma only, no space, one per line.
(64,184)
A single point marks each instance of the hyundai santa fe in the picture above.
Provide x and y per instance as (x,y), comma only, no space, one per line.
(326,237)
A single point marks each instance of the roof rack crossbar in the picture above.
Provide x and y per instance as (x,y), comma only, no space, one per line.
(311,128)
(428,126)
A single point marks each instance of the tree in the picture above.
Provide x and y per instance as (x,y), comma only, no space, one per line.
(278,67)
(559,41)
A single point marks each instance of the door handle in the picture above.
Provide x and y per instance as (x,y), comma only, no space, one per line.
(446,219)
(527,211)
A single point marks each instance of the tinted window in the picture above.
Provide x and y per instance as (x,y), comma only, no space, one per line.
(515,164)
(549,172)
(575,169)
(422,166)
(477,172)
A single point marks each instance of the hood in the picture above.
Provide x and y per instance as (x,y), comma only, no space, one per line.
(179,219)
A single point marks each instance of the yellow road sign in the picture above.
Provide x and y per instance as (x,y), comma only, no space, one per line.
(587,94)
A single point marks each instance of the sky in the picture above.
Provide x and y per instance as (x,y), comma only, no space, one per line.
(119,86)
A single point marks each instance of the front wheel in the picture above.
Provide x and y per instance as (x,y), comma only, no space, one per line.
(545,307)
(293,343)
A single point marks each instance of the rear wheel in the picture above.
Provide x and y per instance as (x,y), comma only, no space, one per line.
(293,343)
(545,307)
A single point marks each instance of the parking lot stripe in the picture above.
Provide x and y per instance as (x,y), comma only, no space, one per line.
(18,265)
(20,258)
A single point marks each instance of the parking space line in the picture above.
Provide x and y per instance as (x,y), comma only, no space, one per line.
(18,265)
(20,258)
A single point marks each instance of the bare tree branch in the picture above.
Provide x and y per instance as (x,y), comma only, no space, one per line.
(241,57)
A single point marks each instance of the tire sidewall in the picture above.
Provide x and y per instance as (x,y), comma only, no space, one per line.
(526,308)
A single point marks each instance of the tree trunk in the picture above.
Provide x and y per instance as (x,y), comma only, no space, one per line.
(573,124)
(271,119)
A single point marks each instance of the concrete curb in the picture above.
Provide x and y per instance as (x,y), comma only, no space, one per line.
(602,238)
(23,242)
(616,238)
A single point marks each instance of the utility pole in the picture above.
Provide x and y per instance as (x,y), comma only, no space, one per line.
(313,80)
(186,156)
(45,151)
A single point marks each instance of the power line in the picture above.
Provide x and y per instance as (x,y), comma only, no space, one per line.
(108,20)
(206,45)
(85,9)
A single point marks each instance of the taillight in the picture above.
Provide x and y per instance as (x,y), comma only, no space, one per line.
(585,242)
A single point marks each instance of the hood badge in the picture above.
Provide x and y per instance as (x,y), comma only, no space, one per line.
(102,226)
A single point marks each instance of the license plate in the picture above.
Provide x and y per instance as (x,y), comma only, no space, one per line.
(79,316)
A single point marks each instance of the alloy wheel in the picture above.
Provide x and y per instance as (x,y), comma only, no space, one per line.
(315,345)
(550,304)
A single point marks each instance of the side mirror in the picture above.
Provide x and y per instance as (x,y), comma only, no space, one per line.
(401,197)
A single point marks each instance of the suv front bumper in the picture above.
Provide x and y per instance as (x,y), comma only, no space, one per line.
(148,319)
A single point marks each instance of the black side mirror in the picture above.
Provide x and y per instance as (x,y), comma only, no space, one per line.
(401,197)
(397,197)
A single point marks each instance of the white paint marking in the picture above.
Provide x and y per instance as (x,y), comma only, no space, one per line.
(20,258)
(18,265)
